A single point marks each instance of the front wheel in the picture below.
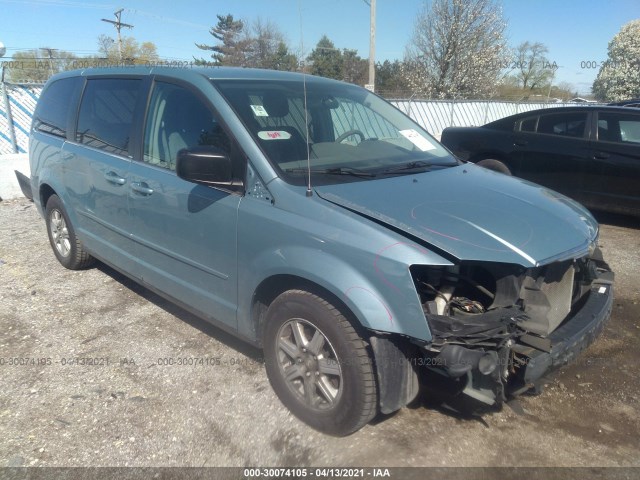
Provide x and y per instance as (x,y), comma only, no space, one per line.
(318,364)
(495,165)
(66,246)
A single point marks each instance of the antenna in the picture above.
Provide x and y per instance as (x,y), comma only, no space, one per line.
(118,24)
(306,112)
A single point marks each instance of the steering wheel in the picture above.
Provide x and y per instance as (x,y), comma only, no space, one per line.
(348,133)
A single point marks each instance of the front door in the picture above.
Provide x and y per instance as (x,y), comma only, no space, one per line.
(185,233)
(615,154)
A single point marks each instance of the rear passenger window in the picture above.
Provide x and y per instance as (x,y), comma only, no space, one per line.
(52,114)
(564,124)
(106,114)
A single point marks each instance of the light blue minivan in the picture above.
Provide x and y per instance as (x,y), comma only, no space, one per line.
(318,222)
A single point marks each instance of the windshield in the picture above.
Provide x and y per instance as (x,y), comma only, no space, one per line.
(351,132)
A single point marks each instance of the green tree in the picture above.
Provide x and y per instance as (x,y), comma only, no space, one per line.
(390,82)
(326,60)
(354,69)
(619,76)
(39,64)
(284,59)
(234,44)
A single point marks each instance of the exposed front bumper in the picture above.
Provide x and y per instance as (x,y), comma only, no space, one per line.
(521,358)
(574,335)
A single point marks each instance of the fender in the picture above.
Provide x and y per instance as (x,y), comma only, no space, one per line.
(366,267)
(385,302)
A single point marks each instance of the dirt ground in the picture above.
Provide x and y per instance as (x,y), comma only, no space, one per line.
(130,409)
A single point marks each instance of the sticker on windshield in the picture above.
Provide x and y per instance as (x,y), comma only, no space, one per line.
(259,111)
(274,135)
(418,140)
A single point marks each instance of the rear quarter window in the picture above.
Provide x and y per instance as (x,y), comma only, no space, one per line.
(55,105)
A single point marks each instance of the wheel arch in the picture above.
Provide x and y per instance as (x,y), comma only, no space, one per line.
(44,193)
(373,301)
(493,155)
(396,375)
(273,286)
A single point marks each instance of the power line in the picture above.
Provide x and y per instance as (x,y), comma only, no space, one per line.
(58,3)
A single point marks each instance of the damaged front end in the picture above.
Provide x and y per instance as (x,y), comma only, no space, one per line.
(499,328)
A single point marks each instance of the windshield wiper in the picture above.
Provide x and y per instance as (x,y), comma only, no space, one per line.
(417,165)
(334,171)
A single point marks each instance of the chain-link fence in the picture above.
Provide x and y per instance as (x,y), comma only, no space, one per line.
(16,110)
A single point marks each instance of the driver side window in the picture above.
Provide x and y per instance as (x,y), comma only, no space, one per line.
(178,119)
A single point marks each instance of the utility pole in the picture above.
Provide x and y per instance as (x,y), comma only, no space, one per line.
(372,46)
(118,24)
(50,54)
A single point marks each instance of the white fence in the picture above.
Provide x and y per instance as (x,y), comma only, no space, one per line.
(18,103)
(436,115)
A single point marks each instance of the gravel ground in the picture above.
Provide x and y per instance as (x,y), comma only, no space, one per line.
(129,410)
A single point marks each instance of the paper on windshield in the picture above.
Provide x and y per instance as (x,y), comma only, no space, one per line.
(418,140)
(259,111)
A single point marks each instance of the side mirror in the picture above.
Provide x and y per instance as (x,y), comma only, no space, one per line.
(206,165)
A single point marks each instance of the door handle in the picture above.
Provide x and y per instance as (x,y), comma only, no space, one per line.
(142,188)
(113,177)
(67,155)
(601,155)
(521,143)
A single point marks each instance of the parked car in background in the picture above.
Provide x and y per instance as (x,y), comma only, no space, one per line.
(634,102)
(581,100)
(316,221)
(589,153)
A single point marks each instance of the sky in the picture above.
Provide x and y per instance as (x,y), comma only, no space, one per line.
(576,32)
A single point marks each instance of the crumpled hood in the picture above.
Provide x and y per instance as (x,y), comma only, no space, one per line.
(474,214)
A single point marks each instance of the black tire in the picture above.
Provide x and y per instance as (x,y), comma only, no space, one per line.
(331,388)
(62,237)
(495,165)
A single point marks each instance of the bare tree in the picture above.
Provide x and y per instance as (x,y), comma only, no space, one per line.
(533,68)
(132,51)
(39,64)
(457,50)
(105,45)
(268,47)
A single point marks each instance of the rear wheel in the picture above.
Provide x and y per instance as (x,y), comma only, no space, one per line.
(495,165)
(318,364)
(66,246)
